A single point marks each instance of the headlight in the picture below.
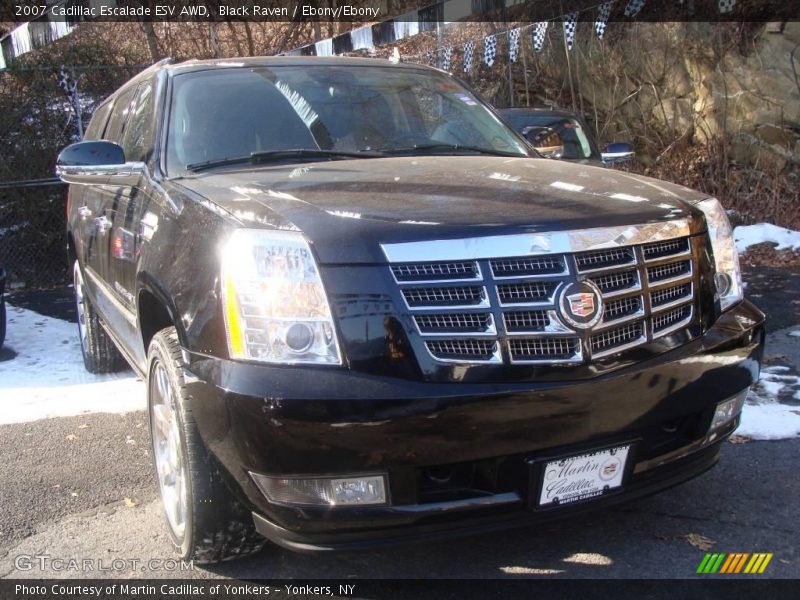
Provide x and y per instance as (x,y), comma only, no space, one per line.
(275,306)
(728,278)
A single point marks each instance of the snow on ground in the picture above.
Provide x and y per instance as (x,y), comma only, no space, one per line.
(47,377)
(763,416)
(749,235)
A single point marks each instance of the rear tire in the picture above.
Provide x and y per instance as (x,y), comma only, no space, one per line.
(100,355)
(205,521)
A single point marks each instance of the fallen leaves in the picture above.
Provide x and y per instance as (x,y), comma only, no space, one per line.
(695,539)
(72,437)
(129,503)
(740,439)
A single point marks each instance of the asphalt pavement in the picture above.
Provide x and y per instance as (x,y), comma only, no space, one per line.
(82,487)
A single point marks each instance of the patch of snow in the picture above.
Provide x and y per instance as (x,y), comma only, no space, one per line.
(770,421)
(47,378)
(764,417)
(795,333)
(749,235)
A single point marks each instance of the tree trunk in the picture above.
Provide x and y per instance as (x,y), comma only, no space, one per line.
(251,48)
(152,41)
(212,38)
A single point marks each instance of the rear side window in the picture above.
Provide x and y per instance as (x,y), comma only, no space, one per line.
(98,122)
(118,116)
(138,132)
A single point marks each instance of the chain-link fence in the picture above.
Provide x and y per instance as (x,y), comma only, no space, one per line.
(33,235)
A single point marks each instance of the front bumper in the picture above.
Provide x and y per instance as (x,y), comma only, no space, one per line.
(329,422)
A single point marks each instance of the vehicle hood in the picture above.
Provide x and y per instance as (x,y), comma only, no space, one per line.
(346,208)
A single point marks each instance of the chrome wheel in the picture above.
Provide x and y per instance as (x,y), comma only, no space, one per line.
(167,449)
(80,303)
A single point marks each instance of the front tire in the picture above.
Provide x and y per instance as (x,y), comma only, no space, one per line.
(205,522)
(100,355)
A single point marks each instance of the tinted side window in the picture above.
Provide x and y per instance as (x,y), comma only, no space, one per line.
(98,122)
(138,134)
(118,116)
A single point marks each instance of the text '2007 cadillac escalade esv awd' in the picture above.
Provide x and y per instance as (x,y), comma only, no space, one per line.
(368,313)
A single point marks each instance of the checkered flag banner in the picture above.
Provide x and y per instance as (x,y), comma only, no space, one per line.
(600,24)
(633,7)
(447,56)
(489,49)
(726,6)
(570,23)
(539,31)
(68,84)
(469,48)
(513,45)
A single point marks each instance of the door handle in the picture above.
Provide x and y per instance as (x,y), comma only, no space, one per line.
(103,224)
(84,212)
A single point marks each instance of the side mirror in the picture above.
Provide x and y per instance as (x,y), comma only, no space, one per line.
(96,162)
(617,152)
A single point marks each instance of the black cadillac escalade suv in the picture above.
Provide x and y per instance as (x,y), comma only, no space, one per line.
(367,312)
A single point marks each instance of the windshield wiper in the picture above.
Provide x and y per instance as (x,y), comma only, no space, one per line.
(419,148)
(276,155)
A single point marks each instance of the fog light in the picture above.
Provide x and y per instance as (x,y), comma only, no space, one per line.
(728,410)
(723,282)
(318,491)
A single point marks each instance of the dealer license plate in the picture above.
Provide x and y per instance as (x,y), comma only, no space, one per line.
(575,478)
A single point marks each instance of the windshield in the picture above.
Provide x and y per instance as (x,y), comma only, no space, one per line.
(554,136)
(223,114)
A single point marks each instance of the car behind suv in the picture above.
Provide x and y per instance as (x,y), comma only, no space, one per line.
(367,313)
(564,135)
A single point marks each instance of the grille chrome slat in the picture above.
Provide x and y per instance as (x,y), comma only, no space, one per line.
(533,266)
(445,297)
(537,350)
(672,320)
(615,340)
(436,272)
(615,284)
(529,292)
(600,260)
(435,324)
(668,297)
(621,311)
(669,272)
(510,308)
(464,350)
(666,248)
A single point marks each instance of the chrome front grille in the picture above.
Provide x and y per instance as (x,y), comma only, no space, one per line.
(509,309)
